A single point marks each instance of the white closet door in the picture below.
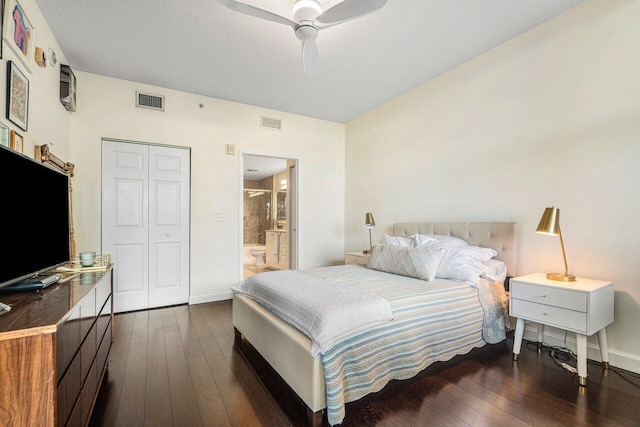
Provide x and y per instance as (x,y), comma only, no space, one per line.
(145,223)
(168,226)
(125,225)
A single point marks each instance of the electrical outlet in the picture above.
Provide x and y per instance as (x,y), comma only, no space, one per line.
(220,217)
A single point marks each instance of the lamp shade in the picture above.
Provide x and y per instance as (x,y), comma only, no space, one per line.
(550,222)
(369,222)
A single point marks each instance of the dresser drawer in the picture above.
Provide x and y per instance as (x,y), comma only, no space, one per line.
(572,300)
(549,315)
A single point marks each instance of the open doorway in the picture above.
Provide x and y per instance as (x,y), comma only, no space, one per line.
(269,214)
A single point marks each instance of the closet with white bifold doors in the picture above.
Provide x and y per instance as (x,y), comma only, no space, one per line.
(145,223)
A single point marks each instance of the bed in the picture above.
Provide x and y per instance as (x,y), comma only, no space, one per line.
(363,360)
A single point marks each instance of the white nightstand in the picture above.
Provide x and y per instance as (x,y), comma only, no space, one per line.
(356,258)
(584,307)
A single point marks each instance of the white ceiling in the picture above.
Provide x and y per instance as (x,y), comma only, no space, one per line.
(202,47)
(257,167)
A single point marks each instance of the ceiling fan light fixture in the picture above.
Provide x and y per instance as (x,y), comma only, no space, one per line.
(306,10)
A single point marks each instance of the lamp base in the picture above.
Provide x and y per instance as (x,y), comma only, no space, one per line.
(561,277)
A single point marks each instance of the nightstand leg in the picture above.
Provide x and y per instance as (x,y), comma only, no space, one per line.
(517,340)
(540,337)
(581,344)
(604,348)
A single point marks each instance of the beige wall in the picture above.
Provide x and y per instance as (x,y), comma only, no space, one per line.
(106,108)
(48,121)
(549,118)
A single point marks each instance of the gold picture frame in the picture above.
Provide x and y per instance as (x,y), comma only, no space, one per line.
(17,141)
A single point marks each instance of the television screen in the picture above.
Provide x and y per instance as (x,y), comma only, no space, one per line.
(35,210)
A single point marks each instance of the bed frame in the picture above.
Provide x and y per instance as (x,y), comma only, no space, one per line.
(288,350)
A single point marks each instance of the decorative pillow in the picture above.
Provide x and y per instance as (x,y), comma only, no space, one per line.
(407,242)
(494,270)
(424,239)
(421,263)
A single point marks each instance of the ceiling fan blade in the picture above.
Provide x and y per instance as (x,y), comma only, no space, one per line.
(247,9)
(346,11)
(310,56)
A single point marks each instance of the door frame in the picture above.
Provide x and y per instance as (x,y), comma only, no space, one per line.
(296,239)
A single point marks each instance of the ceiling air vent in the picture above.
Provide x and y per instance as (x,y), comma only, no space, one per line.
(147,100)
(269,123)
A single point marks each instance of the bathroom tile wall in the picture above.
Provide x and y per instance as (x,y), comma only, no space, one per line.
(257,217)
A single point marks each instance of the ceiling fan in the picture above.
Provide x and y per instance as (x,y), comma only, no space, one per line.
(308,19)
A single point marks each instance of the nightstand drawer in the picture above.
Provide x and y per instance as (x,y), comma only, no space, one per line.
(549,315)
(353,259)
(549,296)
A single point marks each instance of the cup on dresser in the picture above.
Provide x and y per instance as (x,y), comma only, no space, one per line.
(87,259)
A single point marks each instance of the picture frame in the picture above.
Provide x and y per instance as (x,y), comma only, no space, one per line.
(4,135)
(17,96)
(67,88)
(18,32)
(17,142)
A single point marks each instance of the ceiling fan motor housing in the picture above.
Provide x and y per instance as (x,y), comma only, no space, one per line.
(306,32)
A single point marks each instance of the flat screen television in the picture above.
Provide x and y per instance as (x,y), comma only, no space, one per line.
(35,211)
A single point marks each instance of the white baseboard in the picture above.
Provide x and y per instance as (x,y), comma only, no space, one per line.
(555,337)
(201,299)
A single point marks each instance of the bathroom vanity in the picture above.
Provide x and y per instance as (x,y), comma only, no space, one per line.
(277,255)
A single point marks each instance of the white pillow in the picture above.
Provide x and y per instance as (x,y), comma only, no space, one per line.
(404,241)
(461,268)
(464,263)
(424,239)
(494,270)
(421,263)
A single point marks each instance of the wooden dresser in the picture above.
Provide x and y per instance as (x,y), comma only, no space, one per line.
(54,347)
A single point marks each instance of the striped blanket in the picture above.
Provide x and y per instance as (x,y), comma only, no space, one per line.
(432,321)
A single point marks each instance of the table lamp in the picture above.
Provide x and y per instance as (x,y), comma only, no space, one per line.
(369,222)
(550,225)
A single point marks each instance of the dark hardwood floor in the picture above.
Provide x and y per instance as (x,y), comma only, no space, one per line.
(178,366)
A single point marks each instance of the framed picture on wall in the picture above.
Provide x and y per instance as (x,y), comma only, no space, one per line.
(4,135)
(17,143)
(18,32)
(17,96)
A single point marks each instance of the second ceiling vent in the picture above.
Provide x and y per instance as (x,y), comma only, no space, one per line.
(147,100)
(270,123)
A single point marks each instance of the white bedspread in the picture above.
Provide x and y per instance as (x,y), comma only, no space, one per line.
(326,311)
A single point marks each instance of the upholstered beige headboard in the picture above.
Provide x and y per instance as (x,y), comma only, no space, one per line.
(501,236)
